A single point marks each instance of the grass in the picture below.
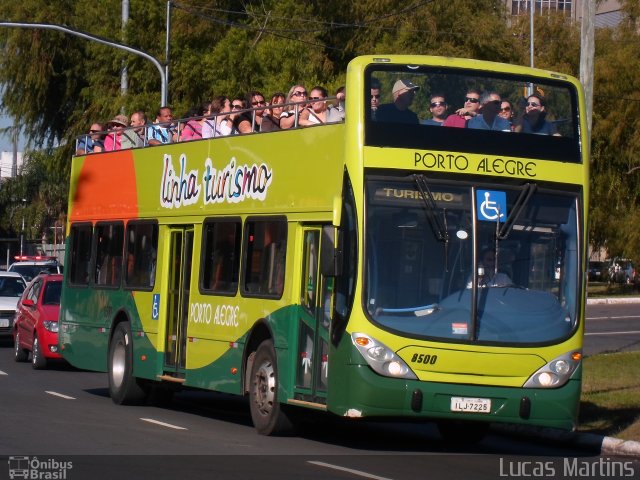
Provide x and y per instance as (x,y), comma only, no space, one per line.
(595,290)
(610,401)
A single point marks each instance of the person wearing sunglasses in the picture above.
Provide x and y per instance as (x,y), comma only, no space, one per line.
(460,118)
(291,113)
(534,118)
(487,117)
(375,97)
(250,121)
(317,112)
(93,142)
(403,93)
(438,108)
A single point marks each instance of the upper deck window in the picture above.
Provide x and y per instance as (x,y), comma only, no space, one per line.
(473,111)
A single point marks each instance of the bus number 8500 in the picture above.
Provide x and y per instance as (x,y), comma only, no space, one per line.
(424,358)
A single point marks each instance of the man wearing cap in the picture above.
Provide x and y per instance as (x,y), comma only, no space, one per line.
(403,92)
(115,127)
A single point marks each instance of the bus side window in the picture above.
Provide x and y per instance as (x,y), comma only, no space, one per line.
(266,245)
(80,254)
(109,244)
(142,248)
(221,256)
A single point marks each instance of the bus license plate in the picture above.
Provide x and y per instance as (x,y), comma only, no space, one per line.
(470,405)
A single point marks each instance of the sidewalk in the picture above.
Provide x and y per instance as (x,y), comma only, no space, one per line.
(586,441)
(612,300)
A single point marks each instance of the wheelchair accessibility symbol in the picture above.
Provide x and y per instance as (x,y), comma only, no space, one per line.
(491,205)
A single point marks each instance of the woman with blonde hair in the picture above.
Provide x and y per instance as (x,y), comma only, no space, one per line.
(291,113)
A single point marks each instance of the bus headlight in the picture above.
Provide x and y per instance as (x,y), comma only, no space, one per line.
(381,358)
(555,373)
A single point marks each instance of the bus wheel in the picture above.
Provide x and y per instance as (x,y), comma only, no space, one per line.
(20,354)
(38,361)
(456,432)
(123,387)
(266,412)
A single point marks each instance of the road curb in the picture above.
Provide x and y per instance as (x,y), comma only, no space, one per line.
(612,300)
(588,441)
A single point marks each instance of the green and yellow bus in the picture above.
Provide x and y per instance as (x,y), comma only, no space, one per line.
(379,267)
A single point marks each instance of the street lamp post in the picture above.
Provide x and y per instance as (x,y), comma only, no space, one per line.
(24,203)
(163,78)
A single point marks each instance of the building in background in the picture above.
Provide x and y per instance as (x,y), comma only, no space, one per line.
(10,164)
(608,12)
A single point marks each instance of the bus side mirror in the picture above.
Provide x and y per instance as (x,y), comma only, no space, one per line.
(330,256)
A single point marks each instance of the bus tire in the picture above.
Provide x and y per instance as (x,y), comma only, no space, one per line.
(123,386)
(19,353)
(459,432)
(38,360)
(266,412)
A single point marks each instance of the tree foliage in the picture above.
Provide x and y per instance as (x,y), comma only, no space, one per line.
(55,84)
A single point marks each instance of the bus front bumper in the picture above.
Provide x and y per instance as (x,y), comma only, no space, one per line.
(363,393)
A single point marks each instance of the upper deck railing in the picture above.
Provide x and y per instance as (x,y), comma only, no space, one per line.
(138,137)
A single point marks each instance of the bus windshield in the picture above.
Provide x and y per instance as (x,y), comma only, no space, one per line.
(484,111)
(424,239)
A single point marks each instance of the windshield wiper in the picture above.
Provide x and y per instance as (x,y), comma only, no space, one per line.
(525,195)
(437,225)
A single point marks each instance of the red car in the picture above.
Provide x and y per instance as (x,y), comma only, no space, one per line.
(35,327)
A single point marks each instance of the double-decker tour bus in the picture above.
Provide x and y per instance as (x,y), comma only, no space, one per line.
(384,266)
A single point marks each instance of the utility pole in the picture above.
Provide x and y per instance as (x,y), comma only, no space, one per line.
(124,74)
(587,52)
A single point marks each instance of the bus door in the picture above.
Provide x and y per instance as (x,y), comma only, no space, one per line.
(181,252)
(316,293)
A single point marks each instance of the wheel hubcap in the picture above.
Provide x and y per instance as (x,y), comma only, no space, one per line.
(265,388)
(118,363)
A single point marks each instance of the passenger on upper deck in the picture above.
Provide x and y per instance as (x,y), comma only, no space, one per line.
(92,143)
(403,93)
(534,118)
(438,109)
(317,111)
(375,97)
(271,119)
(192,129)
(237,104)
(162,131)
(135,137)
(249,122)
(506,111)
(339,103)
(488,118)
(291,113)
(113,140)
(462,115)
(218,123)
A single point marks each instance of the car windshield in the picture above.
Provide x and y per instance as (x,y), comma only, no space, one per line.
(525,258)
(52,293)
(11,286)
(29,272)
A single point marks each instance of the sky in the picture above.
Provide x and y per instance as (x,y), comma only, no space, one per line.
(5,139)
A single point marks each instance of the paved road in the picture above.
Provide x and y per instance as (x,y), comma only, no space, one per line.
(613,327)
(62,414)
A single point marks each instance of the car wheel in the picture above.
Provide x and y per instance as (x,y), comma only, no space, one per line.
(38,361)
(123,386)
(20,354)
(267,413)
